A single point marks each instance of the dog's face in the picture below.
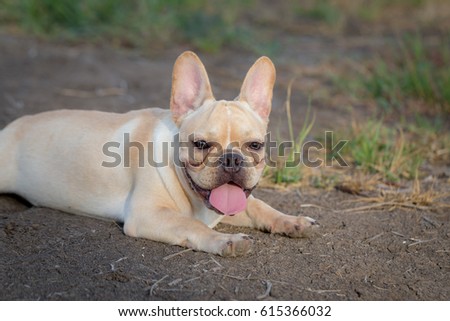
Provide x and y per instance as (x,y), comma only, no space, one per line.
(222,141)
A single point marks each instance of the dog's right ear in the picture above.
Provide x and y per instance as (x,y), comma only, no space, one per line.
(190,85)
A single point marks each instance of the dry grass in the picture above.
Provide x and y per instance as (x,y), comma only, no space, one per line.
(414,198)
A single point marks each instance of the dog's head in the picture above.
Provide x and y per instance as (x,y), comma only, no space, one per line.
(223,141)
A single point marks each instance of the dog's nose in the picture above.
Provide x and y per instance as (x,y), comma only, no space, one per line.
(232,162)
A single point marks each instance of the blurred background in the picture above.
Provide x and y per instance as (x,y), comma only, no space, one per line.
(255,25)
(375,72)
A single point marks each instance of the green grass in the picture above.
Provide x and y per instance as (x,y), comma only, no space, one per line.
(378,149)
(410,85)
(207,25)
(335,13)
(414,72)
(371,11)
(284,172)
(321,10)
(374,148)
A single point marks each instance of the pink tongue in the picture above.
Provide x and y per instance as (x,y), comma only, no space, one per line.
(229,199)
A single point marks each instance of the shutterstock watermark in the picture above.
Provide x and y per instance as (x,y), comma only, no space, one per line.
(128,153)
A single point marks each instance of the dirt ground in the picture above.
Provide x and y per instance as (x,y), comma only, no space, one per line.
(50,255)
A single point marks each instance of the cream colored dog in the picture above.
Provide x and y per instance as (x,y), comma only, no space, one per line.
(169,176)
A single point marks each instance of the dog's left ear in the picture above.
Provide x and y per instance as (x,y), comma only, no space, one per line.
(257,88)
(190,85)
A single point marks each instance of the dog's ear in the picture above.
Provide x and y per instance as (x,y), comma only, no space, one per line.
(190,85)
(257,87)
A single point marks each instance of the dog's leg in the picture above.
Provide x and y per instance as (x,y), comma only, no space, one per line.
(263,217)
(169,227)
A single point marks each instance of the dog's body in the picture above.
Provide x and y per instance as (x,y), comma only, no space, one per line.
(62,160)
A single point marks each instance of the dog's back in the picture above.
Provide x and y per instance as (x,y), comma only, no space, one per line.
(51,158)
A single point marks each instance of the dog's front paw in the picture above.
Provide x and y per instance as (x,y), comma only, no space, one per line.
(233,245)
(294,226)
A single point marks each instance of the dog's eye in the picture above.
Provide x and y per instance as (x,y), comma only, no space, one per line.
(255,145)
(201,144)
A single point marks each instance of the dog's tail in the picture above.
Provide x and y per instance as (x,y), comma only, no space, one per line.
(7,159)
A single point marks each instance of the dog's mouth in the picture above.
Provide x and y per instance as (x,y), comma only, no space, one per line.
(226,199)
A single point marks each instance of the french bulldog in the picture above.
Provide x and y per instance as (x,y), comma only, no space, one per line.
(167,175)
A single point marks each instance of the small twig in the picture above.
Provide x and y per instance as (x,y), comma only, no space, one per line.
(377,287)
(193,279)
(397,233)
(174,282)
(113,266)
(168,257)
(430,221)
(374,237)
(393,205)
(215,261)
(311,205)
(232,276)
(322,291)
(152,288)
(414,240)
(420,242)
(181,290)
(267,293)
(362,208)
(316,206)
